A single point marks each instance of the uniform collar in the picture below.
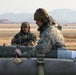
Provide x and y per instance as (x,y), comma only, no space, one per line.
(43,27)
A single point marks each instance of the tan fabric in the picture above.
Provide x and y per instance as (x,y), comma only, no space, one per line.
(41,15)
(18,60)
(31,44)
(37,16)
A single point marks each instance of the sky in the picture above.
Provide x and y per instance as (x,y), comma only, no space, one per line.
(29,6)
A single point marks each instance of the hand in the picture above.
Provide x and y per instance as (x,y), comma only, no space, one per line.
(17,51)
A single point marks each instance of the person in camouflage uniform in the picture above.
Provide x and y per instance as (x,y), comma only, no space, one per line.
(24,37)
(51,37)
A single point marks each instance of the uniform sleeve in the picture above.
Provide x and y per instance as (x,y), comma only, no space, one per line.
(33,37)
(15,40)
(43,46)
(33,40)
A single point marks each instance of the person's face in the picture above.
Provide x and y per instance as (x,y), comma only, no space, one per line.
(25,29)
(39,23)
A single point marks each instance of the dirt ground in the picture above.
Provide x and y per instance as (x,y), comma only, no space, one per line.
(7,32)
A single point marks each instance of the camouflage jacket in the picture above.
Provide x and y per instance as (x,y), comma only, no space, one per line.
(50,38)
(24,39)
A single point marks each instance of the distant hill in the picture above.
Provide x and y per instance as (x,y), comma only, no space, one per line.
(64,15)
(16,17)
(61,15)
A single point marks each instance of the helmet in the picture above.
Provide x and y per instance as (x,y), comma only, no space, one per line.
(25,25)
(41,15)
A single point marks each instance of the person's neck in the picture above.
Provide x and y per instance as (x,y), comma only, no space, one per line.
(43,27)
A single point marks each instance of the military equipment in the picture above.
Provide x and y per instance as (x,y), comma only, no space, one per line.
(61,53)
(63,64)
(30,67)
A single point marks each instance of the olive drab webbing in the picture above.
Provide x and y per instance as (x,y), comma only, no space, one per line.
(40,62)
